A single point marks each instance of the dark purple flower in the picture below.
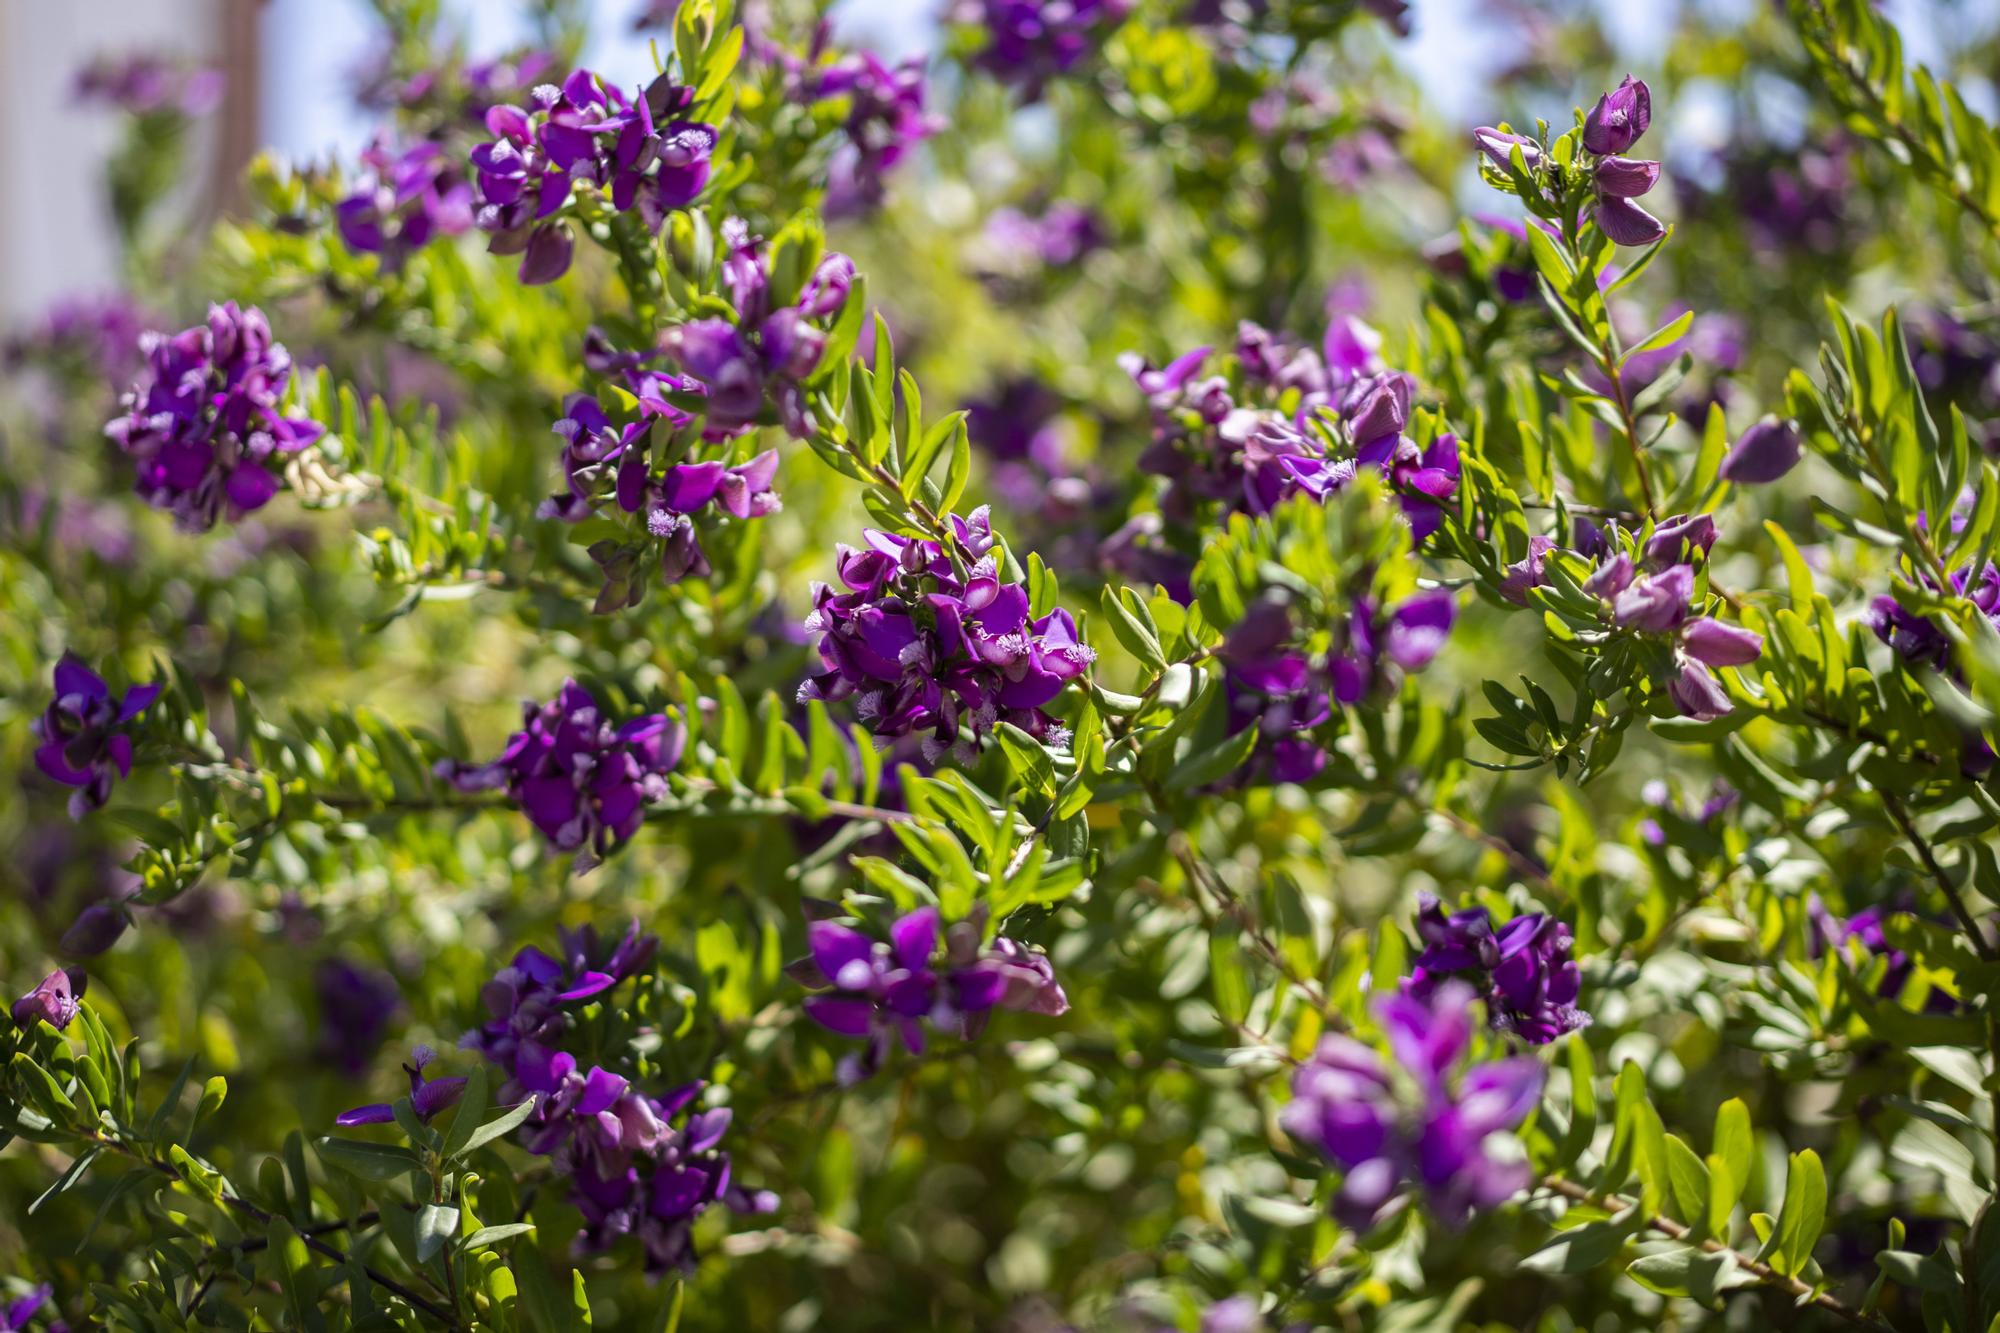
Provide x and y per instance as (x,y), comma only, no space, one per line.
(428,1096)
(356,1004)
(1720,644)
(85,734)
(583,782)
(1913,636)
(1764,453)
(1421,1126)
(1526,572)
(204,425)
(886,991)
(1029,42)
(921,648)
(1523,971)
(53,1001)
(1696,692)
(1619,119)
(404,201)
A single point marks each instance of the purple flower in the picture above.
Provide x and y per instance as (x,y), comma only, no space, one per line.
(1413,1124)
(1029,42)
(1058,238)
(428,1096)
(1720,644)
(53,1001)
(921,648)
(767,354)
(583,782)
(585,132)
(1829,932)
(1626,223)
(404,201)
(203,424)
(1523,971)
(1764,453)
(1655,603)
(887,991)
(356,1004)
(85,734)
(142,84)
(1696,692)
(1676,540)
(1526,572)
(1498,147)
(885,122)
(628,1168)
(96,928)
(1619,119)
(15,1315)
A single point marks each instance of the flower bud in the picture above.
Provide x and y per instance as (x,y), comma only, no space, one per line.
(1628,224)
(1764,453)
(1498,146)
(1720,644)
(1619,119)
(1626,177)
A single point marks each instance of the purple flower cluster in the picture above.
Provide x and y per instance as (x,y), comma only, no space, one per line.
(85,734)
(452,92)
(1391,1126)
(203,423)
(1280,688)
(98,334)
(886,992)
(1301,406)
(630,1171)
(1652,596)
(583,782)
(605,462)
(923,647)
(429,1097)
(773,346)
(141,85)
(52,1001)
(1056,238)
(406,200)
(1918,639)
(1523,970)
(1029,42)
(1618,121)
(885,122)
(585,132)
(1829,933)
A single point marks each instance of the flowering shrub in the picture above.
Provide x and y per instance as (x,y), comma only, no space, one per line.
(1466,800)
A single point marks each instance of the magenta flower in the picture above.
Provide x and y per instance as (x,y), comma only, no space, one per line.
(886,120)
(85,734)
(1029,42)
(1620,118)
(204,425)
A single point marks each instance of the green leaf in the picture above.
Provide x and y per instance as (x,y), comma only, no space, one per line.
(1802,1216)
(1688,1182)
(1218,761)
(1736,1144)
(486,1236)
(1670,332)
(370,1161)
(293,1263)
(437,1223)
(471,1109)
(1027,758)
(1133,627)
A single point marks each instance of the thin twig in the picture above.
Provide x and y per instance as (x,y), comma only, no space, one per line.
(1680,1231)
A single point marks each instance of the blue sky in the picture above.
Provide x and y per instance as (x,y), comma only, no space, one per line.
(312,45)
